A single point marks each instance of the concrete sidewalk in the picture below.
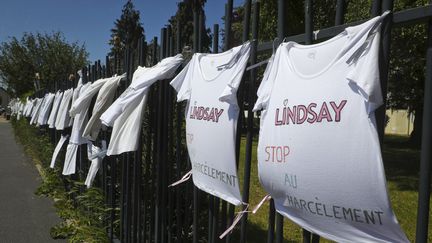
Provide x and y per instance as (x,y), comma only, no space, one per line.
(24,217)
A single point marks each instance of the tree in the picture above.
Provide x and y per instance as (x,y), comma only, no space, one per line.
(267,27)
(127,30)
(50,55)
(408,68)
(184,16)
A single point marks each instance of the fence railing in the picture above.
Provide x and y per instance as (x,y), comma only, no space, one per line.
(137,182)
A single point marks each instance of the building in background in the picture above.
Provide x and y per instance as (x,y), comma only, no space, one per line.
(4,97)
(400,122)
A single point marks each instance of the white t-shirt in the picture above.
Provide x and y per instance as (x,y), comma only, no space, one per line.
(125,114)
(53,114)
(26,107)
(80,117)
(45,109)
(104,99)
(31,104)
(36,109)
(63,119)
(96,155)
(319,155)
(209,83)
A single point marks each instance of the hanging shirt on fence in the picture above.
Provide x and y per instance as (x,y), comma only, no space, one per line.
(31,104)
(45,109)
(125,114)
(319,155)
(63,119)
(96,155)
(35,112)
(27,107)
(209,83)
(79,111)
(53,114)
(39,109)
(104,99)
(79,118)
(57,149)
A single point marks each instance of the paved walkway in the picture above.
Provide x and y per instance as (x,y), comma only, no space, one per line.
(24,217)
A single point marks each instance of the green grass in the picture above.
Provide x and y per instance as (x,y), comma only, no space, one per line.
(401,163)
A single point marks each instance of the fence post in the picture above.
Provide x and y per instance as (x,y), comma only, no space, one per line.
(308,40)
(340,12)
(165,145)
(426,154)
(249,121)
(215,201)
(179,122)
(384,66)
(281,26)
(196,193)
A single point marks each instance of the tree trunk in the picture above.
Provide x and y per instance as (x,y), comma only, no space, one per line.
(416,134)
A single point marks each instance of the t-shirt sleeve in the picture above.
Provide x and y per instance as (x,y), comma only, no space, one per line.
(171,67)
(265,88)
(365,71)
(182,82)
(229,94)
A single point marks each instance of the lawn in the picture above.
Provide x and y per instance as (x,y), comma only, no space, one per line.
(401,163)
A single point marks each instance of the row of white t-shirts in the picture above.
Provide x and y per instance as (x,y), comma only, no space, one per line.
(125,114)
(126,121)
(79,111)
(333,186)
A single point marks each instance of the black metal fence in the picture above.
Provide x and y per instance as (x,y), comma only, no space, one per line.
(136,183)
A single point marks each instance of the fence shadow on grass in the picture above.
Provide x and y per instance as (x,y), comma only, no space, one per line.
(401,162)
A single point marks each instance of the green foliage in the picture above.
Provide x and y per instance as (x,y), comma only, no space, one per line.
(127,30)
(50,55)
(83,210)
(184,16)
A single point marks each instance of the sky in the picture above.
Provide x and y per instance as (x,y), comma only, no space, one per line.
(89,21)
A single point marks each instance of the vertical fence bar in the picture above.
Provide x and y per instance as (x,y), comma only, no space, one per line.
(196,193)
(228,20)
(376,8)
(271,222)
(170,143)
(308,40)
(281,26)
(308,21)
(179,122)
(216,200)
(159,163)
(154,126)
(249,121)
(227,45)
(164,144)
(426,153)
(281,33)
(210,197)
(340,12)
(130,159)
(384,65)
